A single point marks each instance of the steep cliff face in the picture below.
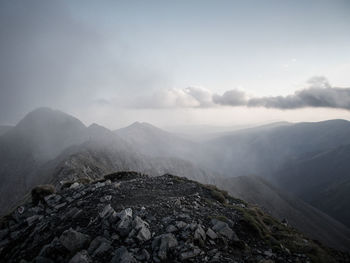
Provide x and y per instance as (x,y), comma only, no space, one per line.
(129,217)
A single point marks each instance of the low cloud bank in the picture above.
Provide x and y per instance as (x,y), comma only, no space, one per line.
(318,93)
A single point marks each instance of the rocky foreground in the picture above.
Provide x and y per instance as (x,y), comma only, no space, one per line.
(128,217)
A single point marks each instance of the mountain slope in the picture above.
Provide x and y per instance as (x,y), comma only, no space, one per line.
(40,136)
(46,133)
(128,217)
(281,205)
(4,129)
(324,176)
(95,158)
(156,142)
(263,151)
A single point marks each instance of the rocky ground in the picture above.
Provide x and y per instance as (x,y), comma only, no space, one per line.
(129,217)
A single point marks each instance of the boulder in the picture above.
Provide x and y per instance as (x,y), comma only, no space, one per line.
(224,230)
(123,256)
(190,254)
(199,233)
(81,257)
(211,234)
(74,240)
(162,244)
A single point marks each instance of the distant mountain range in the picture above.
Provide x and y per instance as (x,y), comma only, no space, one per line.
(310,160)
(307,159)
(51,146)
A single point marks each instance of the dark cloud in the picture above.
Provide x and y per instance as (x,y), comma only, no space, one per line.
(231,97)
(319,93)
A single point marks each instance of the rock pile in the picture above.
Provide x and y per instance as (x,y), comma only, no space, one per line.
(131,219)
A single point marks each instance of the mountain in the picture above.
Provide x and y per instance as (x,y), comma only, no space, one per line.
(309,160)
(51,146)
(129,217)
(282,205)
(264,150)
(323,176)
(153,141)
(46,132)
(40,136)
(93,159)
(4,129)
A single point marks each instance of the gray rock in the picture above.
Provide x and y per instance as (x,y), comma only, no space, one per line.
(171,229)
(73,213)
(69,199)
(81,257)
(124,226)
(126,213)
(123,256)
(108,182)
(268,253)
(180,224)
(59,206)
(103,248)
(113,218)
(74,185)
(163,243)
(31,220)
(144,234)
(138,223)
(190,254)
(106,211)
(192,226)
(74,240)
(99,184)
(106,198)
(143,255)
(166,220)
(224,230)
(177,203)
(211,234)
(52,200)
(96,243)
(199,233)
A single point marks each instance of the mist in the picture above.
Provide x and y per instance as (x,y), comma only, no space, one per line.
(158,105)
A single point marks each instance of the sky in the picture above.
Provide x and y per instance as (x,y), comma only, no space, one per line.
(176,62)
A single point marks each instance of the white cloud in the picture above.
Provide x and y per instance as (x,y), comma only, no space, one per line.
(191,97)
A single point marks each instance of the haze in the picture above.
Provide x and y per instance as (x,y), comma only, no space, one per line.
(176,63)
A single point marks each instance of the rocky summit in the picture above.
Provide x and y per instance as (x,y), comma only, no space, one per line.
(129,217)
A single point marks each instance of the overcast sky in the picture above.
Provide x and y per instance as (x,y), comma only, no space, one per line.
(176,62)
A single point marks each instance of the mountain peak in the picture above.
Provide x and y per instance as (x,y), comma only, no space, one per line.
(47,116)
(142,125)
(46,132)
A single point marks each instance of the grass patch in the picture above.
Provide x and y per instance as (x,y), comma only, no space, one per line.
(217,194)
